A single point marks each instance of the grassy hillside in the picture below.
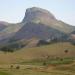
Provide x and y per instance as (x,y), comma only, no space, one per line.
(52,50)
(22,57)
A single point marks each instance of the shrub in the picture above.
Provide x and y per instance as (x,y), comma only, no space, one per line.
(11,66)
(17,67)
(66,51)
(44,64)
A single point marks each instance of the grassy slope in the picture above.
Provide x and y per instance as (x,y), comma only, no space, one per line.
(4,73)
(50,70)
(37,52)
(53,50)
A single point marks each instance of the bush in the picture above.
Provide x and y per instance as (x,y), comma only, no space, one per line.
(17,67)
(11,66)
(66,51)
(44,64)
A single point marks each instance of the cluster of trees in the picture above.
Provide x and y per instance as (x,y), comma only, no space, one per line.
(11,47)
(6,49)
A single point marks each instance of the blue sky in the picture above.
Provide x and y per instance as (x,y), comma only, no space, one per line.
(13,10)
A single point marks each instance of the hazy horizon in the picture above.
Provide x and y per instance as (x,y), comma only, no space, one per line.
(13,11)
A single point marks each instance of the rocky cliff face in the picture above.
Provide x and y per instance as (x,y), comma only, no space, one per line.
(41,23)
(37,23)
(37,15)
(30,30)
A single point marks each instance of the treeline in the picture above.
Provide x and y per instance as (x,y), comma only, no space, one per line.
(12,47)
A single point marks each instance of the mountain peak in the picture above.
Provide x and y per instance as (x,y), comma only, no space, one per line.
(34,9)
(37,14)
